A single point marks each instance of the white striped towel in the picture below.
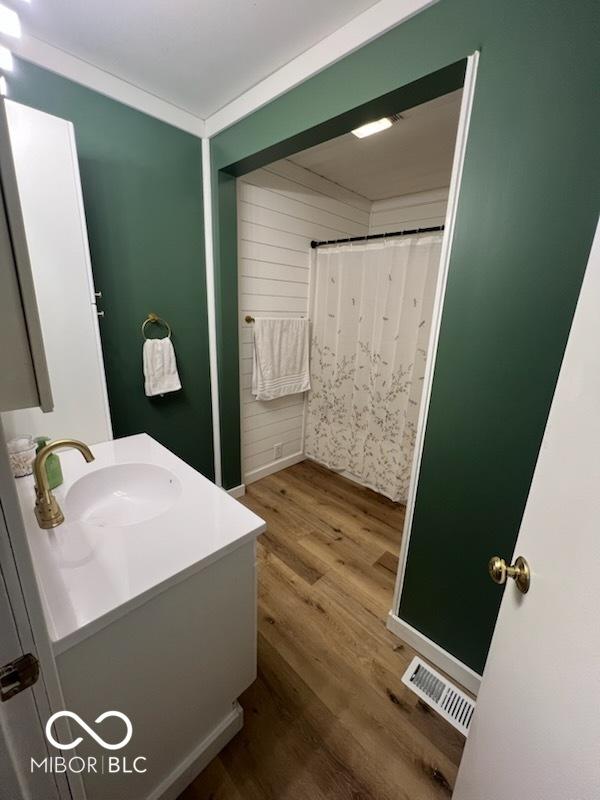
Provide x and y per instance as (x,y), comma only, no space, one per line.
(280,364)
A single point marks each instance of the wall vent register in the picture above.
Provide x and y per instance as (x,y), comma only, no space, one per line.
(451,703)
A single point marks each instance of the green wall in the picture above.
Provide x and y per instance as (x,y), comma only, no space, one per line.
(527,212)
(142,189)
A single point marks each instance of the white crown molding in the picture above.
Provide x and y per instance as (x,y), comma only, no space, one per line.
(52,58)
(373,22)
(367,26)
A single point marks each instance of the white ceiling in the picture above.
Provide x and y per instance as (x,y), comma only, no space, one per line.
(414,155)
(196,54)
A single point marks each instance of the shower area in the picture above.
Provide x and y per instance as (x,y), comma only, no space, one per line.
(371,318)
(347,235)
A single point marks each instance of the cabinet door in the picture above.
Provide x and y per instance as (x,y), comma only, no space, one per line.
(19,387)
(46,169)
(25,381)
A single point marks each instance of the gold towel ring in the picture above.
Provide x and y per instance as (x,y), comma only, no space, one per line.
(152,317)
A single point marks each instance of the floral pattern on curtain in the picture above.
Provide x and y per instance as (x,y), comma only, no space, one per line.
(371,321)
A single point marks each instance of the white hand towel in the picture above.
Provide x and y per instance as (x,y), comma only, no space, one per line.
(280,365)
(160,367)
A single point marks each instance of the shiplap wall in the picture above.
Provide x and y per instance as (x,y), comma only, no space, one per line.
(281,208)
(419,210)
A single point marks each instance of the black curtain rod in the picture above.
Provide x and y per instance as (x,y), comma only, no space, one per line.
(411,232)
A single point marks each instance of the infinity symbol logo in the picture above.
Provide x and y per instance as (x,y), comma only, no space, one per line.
(88,730)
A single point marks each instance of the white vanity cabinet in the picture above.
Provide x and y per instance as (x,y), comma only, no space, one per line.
(149,595)
(175,666)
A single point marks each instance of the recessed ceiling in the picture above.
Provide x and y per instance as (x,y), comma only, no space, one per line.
(196,54)
(414,155)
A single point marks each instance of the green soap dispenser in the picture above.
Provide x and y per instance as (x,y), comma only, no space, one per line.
(53,469)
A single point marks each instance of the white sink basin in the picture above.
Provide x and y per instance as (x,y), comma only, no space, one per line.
(121,495)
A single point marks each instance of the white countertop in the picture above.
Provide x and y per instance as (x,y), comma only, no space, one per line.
(88,575)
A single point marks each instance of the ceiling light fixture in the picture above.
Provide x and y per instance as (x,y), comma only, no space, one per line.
(10,24)
(372,127)
(6,59)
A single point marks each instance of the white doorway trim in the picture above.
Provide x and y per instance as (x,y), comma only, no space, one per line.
(437,655)
(211,308)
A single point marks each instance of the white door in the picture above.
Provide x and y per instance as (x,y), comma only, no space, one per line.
(21,730)
(49,187)
(536,729)
(22,631)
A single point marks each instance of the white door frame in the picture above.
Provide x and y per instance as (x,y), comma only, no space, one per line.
(437,655)
(26,604)
(21,727)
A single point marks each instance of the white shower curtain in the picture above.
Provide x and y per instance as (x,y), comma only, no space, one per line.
(371,320)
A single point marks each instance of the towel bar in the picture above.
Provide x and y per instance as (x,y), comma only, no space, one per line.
(250,319)
(152,317)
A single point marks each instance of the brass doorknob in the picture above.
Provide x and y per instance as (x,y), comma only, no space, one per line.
(519,572)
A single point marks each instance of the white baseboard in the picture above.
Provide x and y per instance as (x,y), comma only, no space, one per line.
(274,466)
(237,491)
(191,766)
(434,653)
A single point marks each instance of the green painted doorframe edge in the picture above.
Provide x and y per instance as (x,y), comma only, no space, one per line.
(224,227)
(405,96)
(431,650)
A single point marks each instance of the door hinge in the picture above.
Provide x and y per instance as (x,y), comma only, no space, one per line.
(17,675)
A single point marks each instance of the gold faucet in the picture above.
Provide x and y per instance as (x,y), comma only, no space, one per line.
(47,510)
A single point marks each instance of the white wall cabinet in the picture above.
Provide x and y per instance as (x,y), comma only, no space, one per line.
(40,167)
(25,381)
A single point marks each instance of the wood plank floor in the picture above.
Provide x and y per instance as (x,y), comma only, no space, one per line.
(328,716)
